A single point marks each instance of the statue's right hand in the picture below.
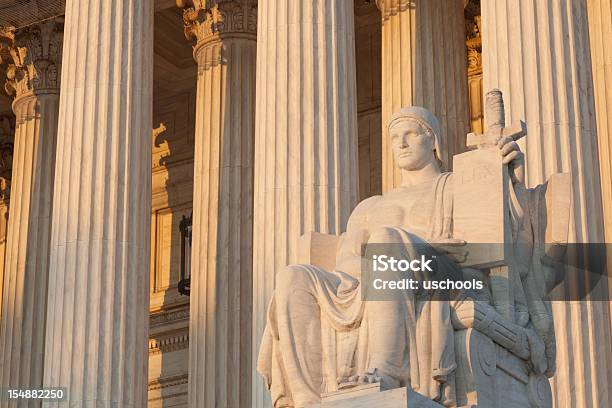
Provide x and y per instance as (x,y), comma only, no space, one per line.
(452,247)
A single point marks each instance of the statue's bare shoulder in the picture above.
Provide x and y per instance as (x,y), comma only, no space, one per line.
(359,216)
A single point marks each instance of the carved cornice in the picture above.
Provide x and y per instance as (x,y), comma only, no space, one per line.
(168,341)
(35,57)
(390,8)
(158,131)
(164,382)
(7,132)
(169,316)
(209,20)
(169,344)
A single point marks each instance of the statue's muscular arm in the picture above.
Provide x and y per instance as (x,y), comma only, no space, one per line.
(348,257)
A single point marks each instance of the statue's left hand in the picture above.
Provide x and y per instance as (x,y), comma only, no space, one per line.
(514,158)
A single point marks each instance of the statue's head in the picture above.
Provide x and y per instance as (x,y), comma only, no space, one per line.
(414,134)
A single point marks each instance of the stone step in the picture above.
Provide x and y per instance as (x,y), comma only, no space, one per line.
(371,396)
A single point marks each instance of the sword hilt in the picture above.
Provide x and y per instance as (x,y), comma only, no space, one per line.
(495,113)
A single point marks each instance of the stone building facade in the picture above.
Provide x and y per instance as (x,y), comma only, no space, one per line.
(264,120)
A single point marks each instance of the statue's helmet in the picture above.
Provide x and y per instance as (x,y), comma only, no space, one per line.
(428,121)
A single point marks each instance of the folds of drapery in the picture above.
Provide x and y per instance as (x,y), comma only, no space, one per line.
(344,318)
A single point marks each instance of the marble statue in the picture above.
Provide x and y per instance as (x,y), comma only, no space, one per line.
(322,337)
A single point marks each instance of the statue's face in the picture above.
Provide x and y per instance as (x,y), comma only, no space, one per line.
(413,146)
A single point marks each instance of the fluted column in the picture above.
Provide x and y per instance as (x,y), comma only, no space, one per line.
(4,209)
(537,53)
(600,33)
(305,137)
(33,78)
(222,255)
(97,321)
(600,29)
(424,63)
(7,138)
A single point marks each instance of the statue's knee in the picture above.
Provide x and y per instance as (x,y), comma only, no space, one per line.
(384,235)
(290,278)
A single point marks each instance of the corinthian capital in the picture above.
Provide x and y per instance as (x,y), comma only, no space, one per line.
(207,20)
(390,8)
(35,56)
(474,46)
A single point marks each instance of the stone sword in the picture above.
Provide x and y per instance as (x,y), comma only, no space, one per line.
(502,278)
(495,116)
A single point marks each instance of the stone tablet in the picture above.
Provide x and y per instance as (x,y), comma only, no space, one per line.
(480,209)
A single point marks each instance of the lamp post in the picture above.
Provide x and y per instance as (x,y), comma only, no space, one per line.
(184,284)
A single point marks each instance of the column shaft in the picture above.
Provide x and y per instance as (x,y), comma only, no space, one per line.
(305,137)
(536,52)
(600,28)
(424,63)
(600,33)
(4,208)
(222,263)
(97,321)
(33,77)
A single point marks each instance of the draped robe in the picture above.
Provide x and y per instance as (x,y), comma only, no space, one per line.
(320,332)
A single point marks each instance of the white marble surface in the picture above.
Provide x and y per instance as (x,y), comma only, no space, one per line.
(221,263)
(97,326)
(371,396)
(600,29)
(305,138)
(600,33)
(424,64)
(26,261)
(323,337)
(544,70)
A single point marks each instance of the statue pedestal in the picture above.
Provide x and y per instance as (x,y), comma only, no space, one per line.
(370,395)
